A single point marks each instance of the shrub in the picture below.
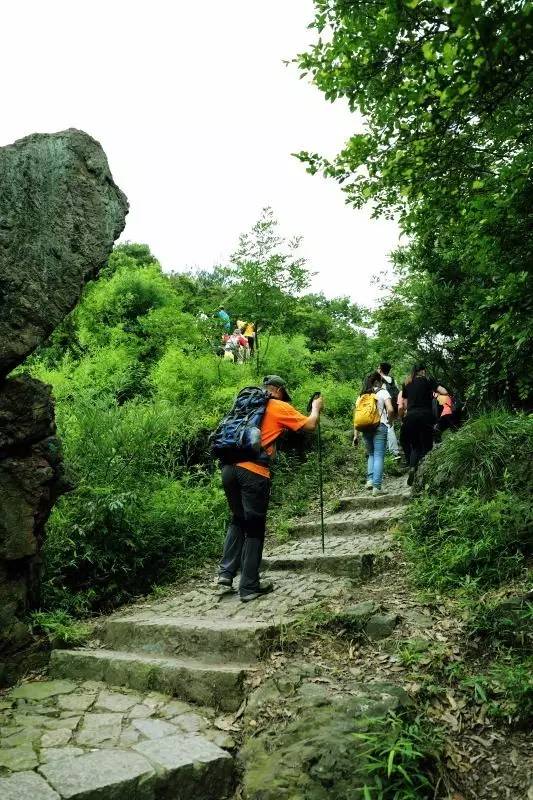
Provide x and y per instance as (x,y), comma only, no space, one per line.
(492,452)
(505,689)
(61,628)
(108,545)
(472,523)
(463,537)
(401,758)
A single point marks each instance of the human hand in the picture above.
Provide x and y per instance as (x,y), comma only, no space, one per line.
(318,404)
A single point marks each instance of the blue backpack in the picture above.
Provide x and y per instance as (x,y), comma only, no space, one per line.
(238,437)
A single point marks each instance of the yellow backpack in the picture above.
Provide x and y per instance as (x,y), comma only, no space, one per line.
(366,414)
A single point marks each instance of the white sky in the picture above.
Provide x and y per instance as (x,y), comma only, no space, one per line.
(198,117)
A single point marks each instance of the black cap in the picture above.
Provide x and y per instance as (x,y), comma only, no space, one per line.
(275,380)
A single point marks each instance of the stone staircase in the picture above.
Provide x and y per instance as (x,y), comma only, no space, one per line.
(202,647)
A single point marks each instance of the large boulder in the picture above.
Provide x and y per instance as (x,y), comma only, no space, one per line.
(60,212)
(30,465)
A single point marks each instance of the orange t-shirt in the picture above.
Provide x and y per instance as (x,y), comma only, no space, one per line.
(279,416)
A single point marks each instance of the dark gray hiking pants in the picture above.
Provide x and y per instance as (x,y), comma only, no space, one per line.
(248,495)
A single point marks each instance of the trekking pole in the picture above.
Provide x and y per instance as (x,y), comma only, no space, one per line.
(320,477)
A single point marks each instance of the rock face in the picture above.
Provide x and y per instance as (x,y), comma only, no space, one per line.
(60,212)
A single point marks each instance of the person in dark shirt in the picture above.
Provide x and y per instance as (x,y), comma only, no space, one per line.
(417,392)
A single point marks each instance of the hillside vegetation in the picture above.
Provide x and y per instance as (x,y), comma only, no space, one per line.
(138,390)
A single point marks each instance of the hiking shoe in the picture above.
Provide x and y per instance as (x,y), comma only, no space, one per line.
(376,492)
(265,588)
(368,485)
(411,477)
(224,585)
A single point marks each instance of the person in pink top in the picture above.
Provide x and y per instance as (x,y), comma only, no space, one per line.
(446,419)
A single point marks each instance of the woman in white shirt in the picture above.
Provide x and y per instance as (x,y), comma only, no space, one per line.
(376,438)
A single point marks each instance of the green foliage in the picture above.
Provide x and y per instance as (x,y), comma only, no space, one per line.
(466,538)
(473,522)
(497,621)
(138,390)
(62,629)
(491,452)
(401,756)
(266,272)
(505,688)
(445,90)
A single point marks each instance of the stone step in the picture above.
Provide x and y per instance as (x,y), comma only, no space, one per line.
(219,686)
(349,522)
(357,558)
(360,501)
(222,640)
(180,766)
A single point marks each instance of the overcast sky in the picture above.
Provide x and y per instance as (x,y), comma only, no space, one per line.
(198,117)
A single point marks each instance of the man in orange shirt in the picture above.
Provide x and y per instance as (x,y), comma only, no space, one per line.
(247,489)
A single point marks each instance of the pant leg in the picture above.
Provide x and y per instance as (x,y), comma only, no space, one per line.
(404,443)
(410,435)
(426,437)
(392,441)
(368,436)
(445,422)
(380,446)
(255,494)
(233,545)
(420,436)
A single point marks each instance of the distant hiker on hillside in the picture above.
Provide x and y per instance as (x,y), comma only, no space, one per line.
(390,385)
(246,480)
(418,423)
(234,346)
(372,416)
(249,333)
(223,315)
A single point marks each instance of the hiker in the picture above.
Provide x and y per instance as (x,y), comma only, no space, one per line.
(402,410)
(390,385)
(445,408)
(223,315)
(418,422)
(247,488)
(234,345)
(249,334)
(373,415)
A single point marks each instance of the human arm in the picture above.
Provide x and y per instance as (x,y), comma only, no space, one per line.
(441,390)
(402,405)
(389,409)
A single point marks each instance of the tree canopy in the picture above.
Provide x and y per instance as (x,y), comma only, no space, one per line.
(445,89)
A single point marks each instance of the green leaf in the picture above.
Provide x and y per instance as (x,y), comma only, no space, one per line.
(428,51)
(449,52)
(390,762)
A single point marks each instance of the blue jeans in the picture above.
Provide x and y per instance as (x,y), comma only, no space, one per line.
(376,444)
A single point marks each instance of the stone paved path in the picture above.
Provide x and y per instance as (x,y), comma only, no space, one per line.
(143,712)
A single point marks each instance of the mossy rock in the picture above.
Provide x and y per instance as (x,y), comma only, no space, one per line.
(315,756)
